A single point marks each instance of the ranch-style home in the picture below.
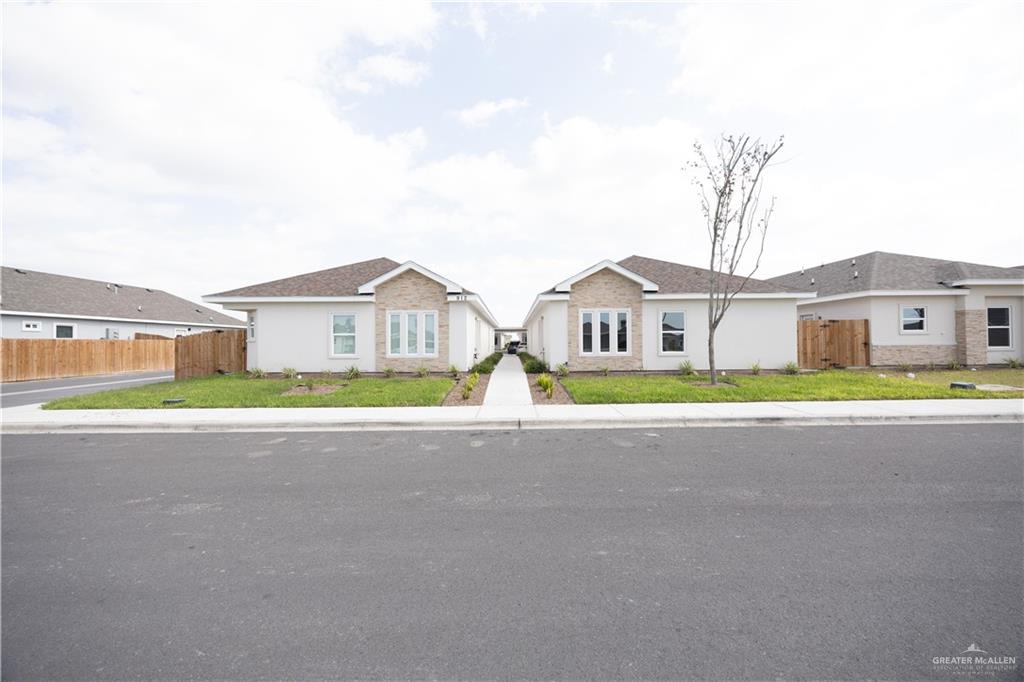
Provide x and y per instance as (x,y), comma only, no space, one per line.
(373,315)
(920,310)
(648,314)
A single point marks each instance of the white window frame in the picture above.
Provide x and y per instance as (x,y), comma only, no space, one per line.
(31,326)
(1008,326)
(614,332)
(250,327)
(900,310)
(661,333)
(74,329)
(179,331)
(403,333)
(331,334)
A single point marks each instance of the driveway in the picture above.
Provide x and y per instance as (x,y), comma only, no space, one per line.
(29,392)
(754,553)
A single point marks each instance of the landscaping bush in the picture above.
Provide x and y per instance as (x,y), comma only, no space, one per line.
(531,364)
(326,374)
(755,368)
(352,372)
(453,371)
(422,372)
(547,383)
(256,373)
(562,370)
(954,365)
(467,388)
(389,372)
(289,372)
(1014,363)
(606,371)
(904,367)
(686,368)
(486,366)
(791,368)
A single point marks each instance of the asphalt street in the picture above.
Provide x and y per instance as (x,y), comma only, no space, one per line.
(29,392)
(756,553)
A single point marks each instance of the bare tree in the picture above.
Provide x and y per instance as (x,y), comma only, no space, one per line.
(729,183)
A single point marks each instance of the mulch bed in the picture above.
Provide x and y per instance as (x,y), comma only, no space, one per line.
(560,396)
(454,397)
(318,389)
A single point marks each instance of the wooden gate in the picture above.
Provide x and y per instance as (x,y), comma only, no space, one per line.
(833,343)
(216,352)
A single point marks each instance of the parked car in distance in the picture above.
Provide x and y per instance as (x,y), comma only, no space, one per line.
(513,347)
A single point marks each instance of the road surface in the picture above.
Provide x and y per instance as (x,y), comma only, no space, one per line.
(29,392)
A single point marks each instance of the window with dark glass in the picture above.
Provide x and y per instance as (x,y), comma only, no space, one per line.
(588,333)
(999,328)
(673,330)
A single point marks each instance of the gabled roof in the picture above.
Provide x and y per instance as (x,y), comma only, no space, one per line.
(344,280)
(29,291)
(882,271)
(565,285)
(676,278)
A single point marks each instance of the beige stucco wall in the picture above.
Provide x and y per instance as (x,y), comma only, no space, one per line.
(606,289)
(411,291)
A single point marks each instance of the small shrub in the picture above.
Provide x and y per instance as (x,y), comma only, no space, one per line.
(531,364)
(903,367)
(954,365)
(469,385)
(308,383)
(546,383)
(606,371)
(453,371)
(755,368)
(562,370)
(931,366)
(486,366)
(1014,363)
(422,372)
(326,374)
(289,372)
(389,372)
(256,373)
(791,368)
(352,372)
(686,368)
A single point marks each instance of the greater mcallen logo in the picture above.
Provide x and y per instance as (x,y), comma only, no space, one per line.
(975,661)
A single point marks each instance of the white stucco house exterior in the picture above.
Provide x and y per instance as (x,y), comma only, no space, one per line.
(920,310)
(42,305)
(373,315)
(648,314)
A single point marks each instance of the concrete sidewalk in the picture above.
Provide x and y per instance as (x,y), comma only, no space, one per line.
(508,386)
(32,419)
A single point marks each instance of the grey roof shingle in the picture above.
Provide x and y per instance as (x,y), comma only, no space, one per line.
(41,292)
(344,280)
(880,270)
(676,278)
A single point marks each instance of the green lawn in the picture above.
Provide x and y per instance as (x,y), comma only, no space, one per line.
(830,385)
(238,391)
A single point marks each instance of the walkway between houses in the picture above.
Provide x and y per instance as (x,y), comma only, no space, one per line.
(508,386)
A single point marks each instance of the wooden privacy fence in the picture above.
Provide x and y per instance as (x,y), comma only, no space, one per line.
(199,355)
(26,359)
(833,343)
(152,337)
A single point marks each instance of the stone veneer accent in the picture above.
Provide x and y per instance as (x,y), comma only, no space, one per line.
(606,289)
(411,291)
(972,337)
(912,355)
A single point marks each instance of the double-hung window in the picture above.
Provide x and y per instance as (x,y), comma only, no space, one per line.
(604,332)
(64,331)
(673,331)
(412,333)
(999,328)
(343,334)
(913,319)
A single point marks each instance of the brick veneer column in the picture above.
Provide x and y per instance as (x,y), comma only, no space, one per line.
(971,337)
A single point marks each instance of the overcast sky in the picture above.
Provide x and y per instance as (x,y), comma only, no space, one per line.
(197,148)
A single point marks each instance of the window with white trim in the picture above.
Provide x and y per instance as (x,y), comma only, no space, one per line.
(343,334)
(673,331)
(412,333)
(605,332)
(913,319)
(64,331)
(27,326)
(251,327)
(999,335)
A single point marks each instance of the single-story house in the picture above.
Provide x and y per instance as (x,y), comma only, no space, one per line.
(40,305)
(373,315)
(920,310)
(648,314)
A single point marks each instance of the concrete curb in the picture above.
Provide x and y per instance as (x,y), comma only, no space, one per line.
(506,424)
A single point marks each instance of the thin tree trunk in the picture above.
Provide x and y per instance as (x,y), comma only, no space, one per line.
(711,356)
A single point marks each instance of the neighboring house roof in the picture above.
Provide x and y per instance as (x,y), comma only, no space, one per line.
(29,291)
(882,271)
(340,281)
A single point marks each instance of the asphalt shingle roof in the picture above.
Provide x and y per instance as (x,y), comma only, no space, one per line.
(880,270)
(42,292)
(344,280)
(676,278)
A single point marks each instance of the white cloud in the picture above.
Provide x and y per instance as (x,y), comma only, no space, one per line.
(483,111)
(389,68)
(477,20)
(608,63)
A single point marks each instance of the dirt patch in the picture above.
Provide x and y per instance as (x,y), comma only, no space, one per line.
(318,389)
(559,396)
(454,397)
